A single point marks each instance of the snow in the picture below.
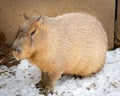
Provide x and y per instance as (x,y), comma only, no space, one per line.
(20,80)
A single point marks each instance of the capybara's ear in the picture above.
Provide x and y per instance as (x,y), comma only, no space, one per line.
(38,19)
(26,16)
(41,19)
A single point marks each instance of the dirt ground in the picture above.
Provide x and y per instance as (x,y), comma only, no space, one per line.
(6,57)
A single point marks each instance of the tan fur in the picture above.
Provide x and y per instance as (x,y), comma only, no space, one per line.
(73,43)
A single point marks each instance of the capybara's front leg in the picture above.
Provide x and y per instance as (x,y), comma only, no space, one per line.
(43,82)
(48,81)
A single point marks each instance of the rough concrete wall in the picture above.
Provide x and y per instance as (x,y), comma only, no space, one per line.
(117,27)
(11,12)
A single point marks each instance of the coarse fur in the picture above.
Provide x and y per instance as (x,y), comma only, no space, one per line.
(73,44)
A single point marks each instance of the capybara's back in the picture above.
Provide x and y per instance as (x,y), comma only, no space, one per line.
(73,43)
(78,43)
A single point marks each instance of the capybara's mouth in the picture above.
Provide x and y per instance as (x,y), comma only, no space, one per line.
(16,55)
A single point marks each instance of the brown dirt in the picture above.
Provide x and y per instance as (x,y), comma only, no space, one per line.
(6,57)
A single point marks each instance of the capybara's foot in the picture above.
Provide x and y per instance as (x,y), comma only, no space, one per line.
(40,85)
(46,90)
(45,84)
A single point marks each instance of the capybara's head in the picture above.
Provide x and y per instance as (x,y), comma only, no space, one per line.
(29,36)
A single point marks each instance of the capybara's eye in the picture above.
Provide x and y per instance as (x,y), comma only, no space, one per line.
(33,32)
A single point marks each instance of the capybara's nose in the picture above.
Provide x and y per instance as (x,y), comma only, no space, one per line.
(16,49)
(13,48)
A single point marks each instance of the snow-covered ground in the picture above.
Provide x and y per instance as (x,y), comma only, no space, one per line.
(21,80)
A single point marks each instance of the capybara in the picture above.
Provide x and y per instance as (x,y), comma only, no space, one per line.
(74,44)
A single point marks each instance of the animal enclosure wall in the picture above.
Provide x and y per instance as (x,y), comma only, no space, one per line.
(11,13)
(117,26)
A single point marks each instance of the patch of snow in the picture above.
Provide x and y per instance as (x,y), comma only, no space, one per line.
(20,80)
